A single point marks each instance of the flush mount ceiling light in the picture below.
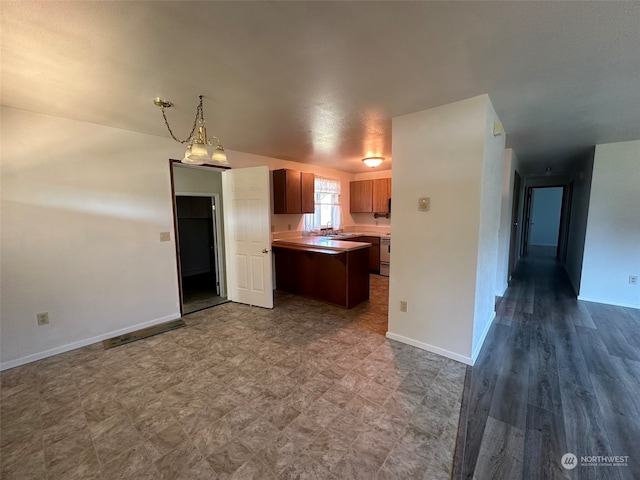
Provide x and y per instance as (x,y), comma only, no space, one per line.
(373,161)
(197,152)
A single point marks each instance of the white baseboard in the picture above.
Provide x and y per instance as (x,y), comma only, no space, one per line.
(430,348)
(608,302)
(83,343)
(502,290)
(483,336)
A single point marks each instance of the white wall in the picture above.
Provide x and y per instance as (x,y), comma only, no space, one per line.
(439,153)
(612,243)
(510,166)
(295,222)
(82,209)
(199,179)
(545,216)
(579,212)
(196,179)
(373,174)
(491,196)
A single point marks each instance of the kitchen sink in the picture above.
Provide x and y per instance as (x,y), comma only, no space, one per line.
(337,235)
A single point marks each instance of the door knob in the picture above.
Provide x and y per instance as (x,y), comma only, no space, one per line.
(265,250)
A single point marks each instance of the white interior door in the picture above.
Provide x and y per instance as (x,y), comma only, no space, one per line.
(248,235)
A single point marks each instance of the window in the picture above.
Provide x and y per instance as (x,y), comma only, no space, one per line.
(327,205)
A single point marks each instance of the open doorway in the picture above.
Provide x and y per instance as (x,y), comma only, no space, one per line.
(198,250)
(543,220)
(199,237)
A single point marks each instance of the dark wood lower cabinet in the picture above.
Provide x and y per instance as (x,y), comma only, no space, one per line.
(338,277)
(374,251)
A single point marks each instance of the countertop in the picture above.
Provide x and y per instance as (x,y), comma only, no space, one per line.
(321,243)
(366,234)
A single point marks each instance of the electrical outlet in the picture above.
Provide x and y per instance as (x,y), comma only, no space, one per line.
(289,226)
(403,306)
(633,280)
(165,236)
(43,318)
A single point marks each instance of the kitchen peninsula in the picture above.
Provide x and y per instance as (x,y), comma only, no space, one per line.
(334,271)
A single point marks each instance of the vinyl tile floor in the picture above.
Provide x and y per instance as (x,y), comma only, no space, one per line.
(303,391)
(194,302)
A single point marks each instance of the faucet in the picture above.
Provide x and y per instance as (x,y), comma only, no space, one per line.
(330,228)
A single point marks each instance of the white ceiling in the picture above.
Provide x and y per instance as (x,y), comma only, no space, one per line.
(318,82)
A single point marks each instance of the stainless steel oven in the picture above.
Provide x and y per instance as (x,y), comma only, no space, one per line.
(385,255)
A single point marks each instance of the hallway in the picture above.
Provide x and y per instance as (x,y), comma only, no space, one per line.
(555,376)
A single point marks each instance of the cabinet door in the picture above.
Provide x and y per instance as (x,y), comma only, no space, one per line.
(374,253)
(294,200)
(381,195)
(279,191)
(374,258)
(286,191)
(361,196)
(371,240)
(307,187)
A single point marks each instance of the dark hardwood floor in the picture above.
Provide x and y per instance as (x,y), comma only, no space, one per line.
(555,376)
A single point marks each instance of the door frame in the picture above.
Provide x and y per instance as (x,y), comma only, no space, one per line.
(526,218)
(526,221)
(515,220)
(218,239)
(565,221)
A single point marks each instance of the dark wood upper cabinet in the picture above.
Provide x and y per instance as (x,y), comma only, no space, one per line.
(361,196)
(292,191)
(370,196)
(307,188)
(381,195)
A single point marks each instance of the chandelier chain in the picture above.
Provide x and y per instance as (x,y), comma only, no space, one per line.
(199,115)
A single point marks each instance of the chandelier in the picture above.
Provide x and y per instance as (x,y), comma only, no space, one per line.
(198,144)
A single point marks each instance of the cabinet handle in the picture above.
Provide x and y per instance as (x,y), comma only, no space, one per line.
(265,250)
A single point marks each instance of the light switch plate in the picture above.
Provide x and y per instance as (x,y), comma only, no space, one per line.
(424,204)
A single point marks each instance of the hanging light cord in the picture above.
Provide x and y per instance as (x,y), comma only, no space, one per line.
(199,115)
